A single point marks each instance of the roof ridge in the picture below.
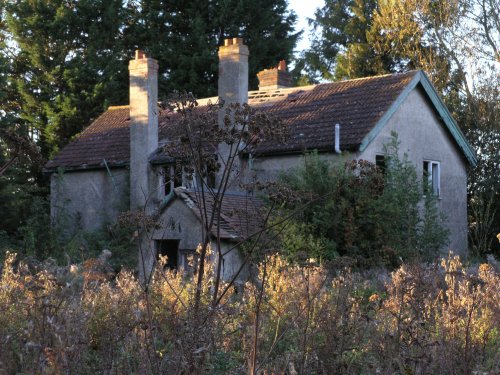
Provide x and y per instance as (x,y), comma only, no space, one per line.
(413,71)
(286,90)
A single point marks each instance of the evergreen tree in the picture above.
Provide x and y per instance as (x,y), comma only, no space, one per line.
(69,65)
(340,46)
(184,37)
(360,38)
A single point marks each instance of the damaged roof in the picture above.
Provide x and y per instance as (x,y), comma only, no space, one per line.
(361,107)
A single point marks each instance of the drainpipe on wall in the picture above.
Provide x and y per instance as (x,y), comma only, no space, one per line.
(337,138)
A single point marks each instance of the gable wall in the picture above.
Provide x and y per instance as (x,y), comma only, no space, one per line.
(86,200)
(178,222)
(423,137)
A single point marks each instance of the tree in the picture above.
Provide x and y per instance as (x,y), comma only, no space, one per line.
(67,65)
(341,47)
(184,36)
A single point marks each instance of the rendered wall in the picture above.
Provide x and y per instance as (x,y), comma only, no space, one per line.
(86,200)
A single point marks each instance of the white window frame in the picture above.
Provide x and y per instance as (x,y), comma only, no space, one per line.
(433,173)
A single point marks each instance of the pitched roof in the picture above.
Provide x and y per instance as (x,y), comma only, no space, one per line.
(356,105)
(361,106)
(240,215)
(105,141)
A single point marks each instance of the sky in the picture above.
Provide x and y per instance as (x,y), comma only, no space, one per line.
(305,9)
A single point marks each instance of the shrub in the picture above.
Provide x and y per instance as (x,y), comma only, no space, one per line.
(360,211)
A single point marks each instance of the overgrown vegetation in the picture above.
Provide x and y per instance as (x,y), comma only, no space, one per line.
(438,318)
(38,238)
(358,210)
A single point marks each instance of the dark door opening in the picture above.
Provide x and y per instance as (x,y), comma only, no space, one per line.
(170,249)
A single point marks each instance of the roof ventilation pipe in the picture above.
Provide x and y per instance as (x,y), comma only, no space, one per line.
(337,138)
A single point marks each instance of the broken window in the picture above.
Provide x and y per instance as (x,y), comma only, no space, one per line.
(172,178)
(431,177)
(176,258)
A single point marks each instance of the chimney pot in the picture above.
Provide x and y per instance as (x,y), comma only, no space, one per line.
(282,65)
(237,40)
(228,42)
(139,54)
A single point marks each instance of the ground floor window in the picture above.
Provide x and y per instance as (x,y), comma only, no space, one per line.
(176,257)
(170,250)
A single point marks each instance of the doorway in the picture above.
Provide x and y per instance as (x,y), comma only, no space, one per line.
(170,249)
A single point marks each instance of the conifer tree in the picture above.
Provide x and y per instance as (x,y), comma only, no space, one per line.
(184,37)
(340,46)
(69,65)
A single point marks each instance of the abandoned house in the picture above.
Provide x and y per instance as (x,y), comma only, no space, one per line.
(113,165)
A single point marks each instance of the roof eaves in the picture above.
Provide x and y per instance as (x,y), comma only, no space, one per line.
(85,167)
(448,120)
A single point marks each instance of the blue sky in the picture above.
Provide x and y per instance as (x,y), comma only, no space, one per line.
(304,9)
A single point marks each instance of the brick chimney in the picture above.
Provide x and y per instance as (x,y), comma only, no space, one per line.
(233,71)
(143,127)
(275,78)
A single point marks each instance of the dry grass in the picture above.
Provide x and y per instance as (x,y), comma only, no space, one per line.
(293,320)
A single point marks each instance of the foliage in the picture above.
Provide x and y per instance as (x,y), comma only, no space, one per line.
(425,319)
(340,28)
(69,60)
(66,66)
(191,31)
(357,210)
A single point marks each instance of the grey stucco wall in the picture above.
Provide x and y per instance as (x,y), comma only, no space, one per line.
(86,200)
(423,137)
(178,222)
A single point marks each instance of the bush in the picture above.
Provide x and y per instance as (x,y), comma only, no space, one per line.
(360,211)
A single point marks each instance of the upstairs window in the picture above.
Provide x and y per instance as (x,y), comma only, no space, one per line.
(380,162)
(431,175)
(172,178)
